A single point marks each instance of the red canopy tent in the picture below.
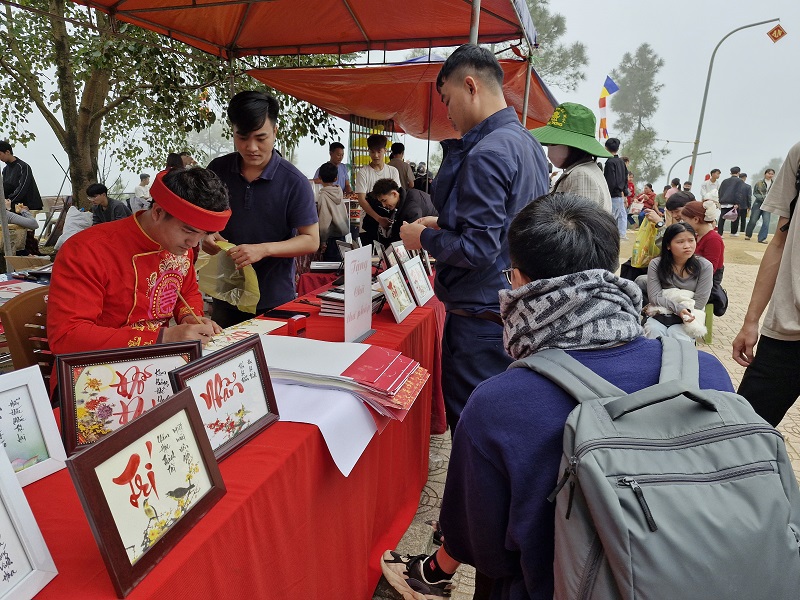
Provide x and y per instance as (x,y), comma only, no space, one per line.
(405,94)
(230,28)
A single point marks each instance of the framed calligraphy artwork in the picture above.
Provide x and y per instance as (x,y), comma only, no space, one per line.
(396,292)
(400,252)
(28,429)
(103,390)
(25,562)
(146,486)
(418,280)
(233,391)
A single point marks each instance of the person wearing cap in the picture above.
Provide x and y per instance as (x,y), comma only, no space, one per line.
(100,299)
(571,146)
(141,195)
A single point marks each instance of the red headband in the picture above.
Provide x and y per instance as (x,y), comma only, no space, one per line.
(191,214)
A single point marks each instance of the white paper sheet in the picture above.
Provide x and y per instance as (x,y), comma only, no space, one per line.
(304,355)
(344,421)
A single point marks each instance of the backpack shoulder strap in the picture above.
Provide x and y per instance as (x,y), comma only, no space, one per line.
(570,375)
(679,361)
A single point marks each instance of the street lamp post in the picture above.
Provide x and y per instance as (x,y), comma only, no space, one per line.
(669,173)
(705,93)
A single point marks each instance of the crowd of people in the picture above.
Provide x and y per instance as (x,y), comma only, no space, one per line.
(524,263)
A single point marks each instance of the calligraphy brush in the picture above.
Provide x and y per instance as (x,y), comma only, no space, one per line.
(191,310)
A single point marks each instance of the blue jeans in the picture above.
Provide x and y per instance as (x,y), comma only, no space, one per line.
(620,214)
(755,214)
(472,352)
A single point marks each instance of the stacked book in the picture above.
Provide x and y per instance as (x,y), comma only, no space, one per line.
(332,302)
(384,379)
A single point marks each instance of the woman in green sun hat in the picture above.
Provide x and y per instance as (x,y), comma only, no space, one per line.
(571,146)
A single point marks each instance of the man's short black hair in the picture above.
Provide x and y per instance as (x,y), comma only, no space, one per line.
(562,233)
(398,148)
(470,59)
(612,145)
(6,147)
(143,176)
(335,146)
(328,172)
(735,170)
(377,141)
(742,175)
(201,187)
(174,161)
(384,186)
(714,171)
(249,110)
(96,189)
(679,199)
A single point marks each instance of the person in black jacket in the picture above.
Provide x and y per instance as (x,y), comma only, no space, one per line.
(19,185)
(616,175)
(403,206)
(733,193)
(745,201)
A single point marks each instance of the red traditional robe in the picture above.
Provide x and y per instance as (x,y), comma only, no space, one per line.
(114,287)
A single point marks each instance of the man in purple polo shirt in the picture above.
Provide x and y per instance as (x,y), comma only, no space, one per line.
(274,215)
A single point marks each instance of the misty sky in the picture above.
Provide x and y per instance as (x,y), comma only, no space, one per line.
(752,113)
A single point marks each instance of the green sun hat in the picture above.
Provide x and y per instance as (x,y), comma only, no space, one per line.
(571,125)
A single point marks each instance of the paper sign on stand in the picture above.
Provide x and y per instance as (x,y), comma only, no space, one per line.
(357,294)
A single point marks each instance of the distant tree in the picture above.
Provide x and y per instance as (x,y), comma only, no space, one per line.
(558,64)
(109,85)
(774,163)
(634,106)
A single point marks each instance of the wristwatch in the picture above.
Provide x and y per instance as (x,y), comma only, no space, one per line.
(660,224)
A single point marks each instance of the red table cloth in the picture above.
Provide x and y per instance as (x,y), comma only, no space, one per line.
(291,525)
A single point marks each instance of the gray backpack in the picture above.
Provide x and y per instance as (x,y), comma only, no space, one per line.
(670,493)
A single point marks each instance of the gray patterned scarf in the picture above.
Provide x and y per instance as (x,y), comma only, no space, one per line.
(585,310)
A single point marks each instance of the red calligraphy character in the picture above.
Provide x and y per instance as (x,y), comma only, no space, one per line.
(132,381)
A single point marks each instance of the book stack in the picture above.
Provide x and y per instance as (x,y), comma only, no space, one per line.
(383,379)
(332,302)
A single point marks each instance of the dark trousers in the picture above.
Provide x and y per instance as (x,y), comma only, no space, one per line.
(734,224)
(472,352)
(225,315)
(742,219)
(771,384)
(755,214)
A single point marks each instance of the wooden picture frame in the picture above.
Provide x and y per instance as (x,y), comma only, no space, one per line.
(418,280)
(28,429)
(144,487)
(25,562)
(400,252)
(103,390)
(230,385)
(396,292)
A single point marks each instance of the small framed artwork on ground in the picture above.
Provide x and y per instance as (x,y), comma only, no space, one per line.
(418,280)
(102,391)
(233,392)
(25,562)
(28,429)
(146,486)
(396,292)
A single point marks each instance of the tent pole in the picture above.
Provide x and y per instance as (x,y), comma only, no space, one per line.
(231,77)
(474,22)
(527,94)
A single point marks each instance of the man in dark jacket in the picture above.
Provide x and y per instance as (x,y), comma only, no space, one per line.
(19,185)
(732,194)
(404,206)
(745,200)
(616,175)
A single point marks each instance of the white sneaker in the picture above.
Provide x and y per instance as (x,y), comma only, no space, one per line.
(734,235)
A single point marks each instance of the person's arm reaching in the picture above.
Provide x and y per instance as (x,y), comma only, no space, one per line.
(764,285)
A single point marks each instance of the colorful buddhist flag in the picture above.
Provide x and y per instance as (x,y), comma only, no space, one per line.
(609,87)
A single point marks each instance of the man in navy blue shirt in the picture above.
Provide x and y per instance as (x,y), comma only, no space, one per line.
(486,177)
(274,215)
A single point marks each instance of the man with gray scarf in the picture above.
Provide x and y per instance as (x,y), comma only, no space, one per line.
(508,442)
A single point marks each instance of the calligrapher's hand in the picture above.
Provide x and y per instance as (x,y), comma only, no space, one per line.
(410,234)
(429,222)
(190,331)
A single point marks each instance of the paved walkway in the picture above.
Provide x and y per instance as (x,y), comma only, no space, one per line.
(742,258)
